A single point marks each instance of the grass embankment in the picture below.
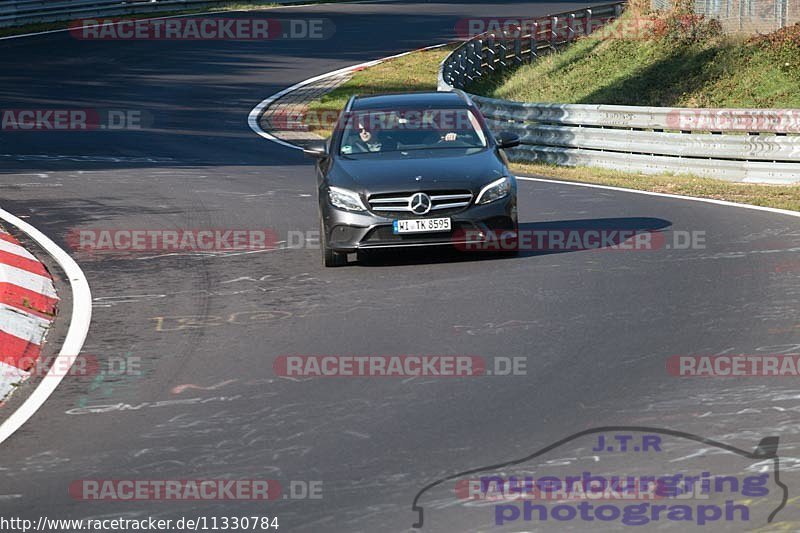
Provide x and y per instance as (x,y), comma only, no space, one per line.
(779,196)
(662,60)
(412,72)
(755,89)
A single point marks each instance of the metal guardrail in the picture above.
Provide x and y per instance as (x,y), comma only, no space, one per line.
(494,51)
(749,145)
(15,13)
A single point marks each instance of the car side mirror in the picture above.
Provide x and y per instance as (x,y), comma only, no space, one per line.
(316,149)
(506,139)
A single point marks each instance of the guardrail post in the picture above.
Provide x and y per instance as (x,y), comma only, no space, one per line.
(518,47)
(571,27)
(461,69)
(534,40)
(553,34)
(617,10)
(502,49)
(588,22)
(783,13)
(477,56)
(490,52)
(469,60)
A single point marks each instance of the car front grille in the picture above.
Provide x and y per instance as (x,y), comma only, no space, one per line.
(401,202)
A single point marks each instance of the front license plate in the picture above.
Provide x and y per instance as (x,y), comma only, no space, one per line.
(421,225)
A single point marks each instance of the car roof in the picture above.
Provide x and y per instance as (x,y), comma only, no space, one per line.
(415,100)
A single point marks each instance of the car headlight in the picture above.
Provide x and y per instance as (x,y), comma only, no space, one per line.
(344,199)
(494,191)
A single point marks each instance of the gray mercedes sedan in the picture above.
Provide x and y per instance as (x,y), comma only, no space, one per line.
(411,170)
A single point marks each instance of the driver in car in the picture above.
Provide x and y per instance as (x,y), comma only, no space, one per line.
(367,140)
(363,141)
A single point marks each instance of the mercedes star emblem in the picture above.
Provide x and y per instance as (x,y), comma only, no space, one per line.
(420,203)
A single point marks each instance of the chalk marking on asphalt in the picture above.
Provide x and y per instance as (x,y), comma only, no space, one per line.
(76,335)
(186,386)
(256,113)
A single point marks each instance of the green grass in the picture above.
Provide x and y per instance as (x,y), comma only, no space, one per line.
(418,71)
(671,64)
(779,196)
(412,72)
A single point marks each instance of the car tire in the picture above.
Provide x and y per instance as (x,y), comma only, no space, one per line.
(330,258)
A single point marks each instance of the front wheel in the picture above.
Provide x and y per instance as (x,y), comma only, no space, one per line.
(330,258)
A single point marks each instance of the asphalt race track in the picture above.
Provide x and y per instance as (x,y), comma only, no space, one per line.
(595,327)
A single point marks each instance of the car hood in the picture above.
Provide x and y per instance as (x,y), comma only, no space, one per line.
(422,170)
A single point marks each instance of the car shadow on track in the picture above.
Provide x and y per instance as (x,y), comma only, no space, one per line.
(535,239)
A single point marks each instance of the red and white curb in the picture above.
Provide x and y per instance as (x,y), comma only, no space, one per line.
(27,305)
(27,301)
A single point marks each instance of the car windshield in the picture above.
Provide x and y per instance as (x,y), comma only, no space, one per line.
(407,129)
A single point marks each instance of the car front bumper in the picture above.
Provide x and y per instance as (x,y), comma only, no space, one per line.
(349,231)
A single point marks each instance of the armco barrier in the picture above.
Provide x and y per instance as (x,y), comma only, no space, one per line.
(494,51)
(14,13)
(748,145)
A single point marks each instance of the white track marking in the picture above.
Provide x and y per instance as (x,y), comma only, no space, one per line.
(15,249)
(667,195)
(76,334)
(27,280)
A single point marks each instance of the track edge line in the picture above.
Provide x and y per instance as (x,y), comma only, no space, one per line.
(80,320)
(666,195)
